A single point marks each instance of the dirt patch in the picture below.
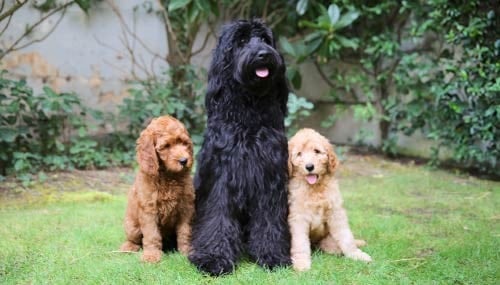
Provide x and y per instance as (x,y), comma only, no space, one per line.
(366,165)
(112,181)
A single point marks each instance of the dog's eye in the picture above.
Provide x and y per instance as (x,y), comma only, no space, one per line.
(243,41)
(166,145)
(317,151)
(299,153)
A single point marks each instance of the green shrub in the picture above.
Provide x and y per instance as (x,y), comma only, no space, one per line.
(299,108)
(428,66)
(44,132)
(454,99)
(162,95)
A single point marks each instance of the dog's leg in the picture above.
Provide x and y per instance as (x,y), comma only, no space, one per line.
(342,235)
(216,239)
(330,245)
(301,245)
(151,240)
(184,235)
(268,231)
(132,232)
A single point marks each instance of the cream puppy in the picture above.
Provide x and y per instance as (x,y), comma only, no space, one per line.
(316,213)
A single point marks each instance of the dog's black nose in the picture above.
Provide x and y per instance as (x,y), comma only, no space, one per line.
(263,54)
(310,167)
(183,161)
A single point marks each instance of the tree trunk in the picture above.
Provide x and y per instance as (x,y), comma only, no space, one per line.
(384,124)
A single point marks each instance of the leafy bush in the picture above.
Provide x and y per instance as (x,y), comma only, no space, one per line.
(455,99)
(298,109)
(162,95)
(47,131)
(427,66)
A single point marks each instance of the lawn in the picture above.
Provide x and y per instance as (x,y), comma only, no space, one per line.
(423,226)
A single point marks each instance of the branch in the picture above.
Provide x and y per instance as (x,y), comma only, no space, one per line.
(171,34)
(341,102)
(264,13)
(205,41)
(45,36)
(127,29)
(333,86)
(280,15)
(120,52)
(358,64)
(14,47)
(6,25)
(10,12)
(323,75)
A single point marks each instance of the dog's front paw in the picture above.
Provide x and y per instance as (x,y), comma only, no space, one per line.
(271,262)
(359,255)
(151,255)
(129,246)
(301,264)
(211,264)
(185,249)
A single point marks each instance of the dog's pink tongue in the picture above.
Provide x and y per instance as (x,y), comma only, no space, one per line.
(262,72)
(311,178)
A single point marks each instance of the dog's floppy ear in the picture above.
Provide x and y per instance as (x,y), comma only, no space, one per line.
(146,153)
(333,161)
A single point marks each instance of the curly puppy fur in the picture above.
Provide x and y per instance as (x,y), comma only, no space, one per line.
(241,177)
(161,202)
(317,216)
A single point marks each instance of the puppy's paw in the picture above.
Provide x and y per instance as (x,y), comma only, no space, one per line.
(359,255)
(130,246)
(184,250)
(301,264)
(151,255)
(360,242)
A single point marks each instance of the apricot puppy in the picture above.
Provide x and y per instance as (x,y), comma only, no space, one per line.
(161,202)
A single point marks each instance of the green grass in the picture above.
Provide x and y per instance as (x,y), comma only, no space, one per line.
(422,227)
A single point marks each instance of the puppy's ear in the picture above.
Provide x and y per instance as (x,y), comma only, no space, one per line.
(146,154)
(333,161)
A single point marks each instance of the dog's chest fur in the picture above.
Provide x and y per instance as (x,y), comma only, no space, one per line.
(315,205)
(167,197)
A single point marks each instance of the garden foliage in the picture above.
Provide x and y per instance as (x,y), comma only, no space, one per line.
(413,66)
(429,67)
(47,131)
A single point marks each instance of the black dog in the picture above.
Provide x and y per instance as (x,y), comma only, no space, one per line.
(241,177)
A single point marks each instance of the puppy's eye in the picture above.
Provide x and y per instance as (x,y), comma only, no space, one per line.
(299,153)
(316,151)
(243,41)
(166,145)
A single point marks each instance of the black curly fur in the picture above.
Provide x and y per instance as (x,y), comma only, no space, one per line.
(241,177)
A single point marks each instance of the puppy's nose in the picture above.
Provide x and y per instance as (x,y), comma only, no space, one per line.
(183,161)
(263,54)
(310,167)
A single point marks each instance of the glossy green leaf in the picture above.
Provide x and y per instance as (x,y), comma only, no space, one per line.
(301,7)
(333,13)
(177,4)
